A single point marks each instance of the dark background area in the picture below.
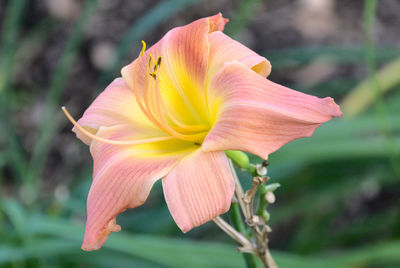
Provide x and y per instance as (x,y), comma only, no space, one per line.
(338,204)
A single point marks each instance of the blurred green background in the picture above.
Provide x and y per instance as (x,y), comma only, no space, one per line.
(338,205)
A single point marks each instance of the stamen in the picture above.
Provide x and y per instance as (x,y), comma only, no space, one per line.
(114,142)
(154,75)
(158,64)
(158,101)
(154,108)
(136,93)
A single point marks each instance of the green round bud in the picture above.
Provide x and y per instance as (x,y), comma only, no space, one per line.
(239,158)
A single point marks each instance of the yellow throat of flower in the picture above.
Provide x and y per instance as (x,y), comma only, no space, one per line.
(154,107)
(151,102)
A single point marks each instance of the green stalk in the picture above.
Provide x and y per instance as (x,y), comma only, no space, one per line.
(262,205)
(237,222)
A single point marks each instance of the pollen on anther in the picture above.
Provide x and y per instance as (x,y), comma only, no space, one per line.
(143,48)
(153,75)
(150,60)
(158,63)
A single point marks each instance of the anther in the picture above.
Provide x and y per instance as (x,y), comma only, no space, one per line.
(158,63)
(143,48)
(154,75)
(156,66)
(150,60)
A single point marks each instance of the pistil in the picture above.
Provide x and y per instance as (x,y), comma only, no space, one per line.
(114,142)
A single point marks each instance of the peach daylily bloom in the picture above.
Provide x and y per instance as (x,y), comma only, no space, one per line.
(176,109)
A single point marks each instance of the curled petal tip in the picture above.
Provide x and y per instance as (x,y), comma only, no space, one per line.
(336,112)
(94,243)
(217,22)
(278,114)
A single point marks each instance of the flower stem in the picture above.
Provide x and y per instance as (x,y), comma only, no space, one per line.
(237,218)
(255,243)
(239,193)
(237,221)
(240,238)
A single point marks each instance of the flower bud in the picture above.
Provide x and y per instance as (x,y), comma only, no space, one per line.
(261,170)
(239,158)
(270,197)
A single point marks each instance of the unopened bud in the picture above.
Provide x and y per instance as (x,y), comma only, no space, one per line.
(239,158)
(272,187)
(261,170)
(270,197)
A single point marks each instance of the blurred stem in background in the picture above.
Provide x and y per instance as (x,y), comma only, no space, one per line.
(16,157)
(14,14)
(361,97)
(48,126)
(9,41)
(370,7)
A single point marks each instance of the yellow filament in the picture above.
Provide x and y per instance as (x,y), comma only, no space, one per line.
(114,142)
(136,93)
(162,122)
(159,102)
(146,109)
(148,104)
(180,125)
(153,107)
(195,137)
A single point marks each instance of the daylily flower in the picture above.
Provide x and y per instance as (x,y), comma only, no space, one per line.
(176,109)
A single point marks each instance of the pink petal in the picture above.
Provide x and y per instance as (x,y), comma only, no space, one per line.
(224,49)
(256,115)
(199,189)
(217,22)
(185,45)
(115,105)
(122,178)
(184,51)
